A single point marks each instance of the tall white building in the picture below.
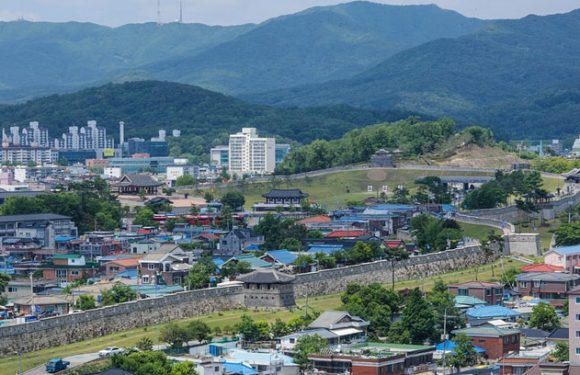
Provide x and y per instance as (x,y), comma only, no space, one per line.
(250,154)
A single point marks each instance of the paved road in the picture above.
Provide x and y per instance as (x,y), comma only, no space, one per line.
(75,360)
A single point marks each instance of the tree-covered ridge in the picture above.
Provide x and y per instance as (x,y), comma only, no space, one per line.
(205,118)
(516,76)
(312,46)
(410,137)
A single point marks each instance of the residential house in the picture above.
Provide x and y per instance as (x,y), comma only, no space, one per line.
(549,286)
(169,266)
(20,248)
(375,359)
(254,262)
(41,305)
(67,268)
(135,184)
(496,341)
(119,266)
(518,364)
(566,257)
(541,267)
(279,258)
(491,293)
(232,243)
(482,314)
(144,246)
(467,302)
(574,326)
(41,227)
(346,234)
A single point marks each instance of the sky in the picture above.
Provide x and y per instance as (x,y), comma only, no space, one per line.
(233,12)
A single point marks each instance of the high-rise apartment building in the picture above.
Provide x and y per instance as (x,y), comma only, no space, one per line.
(250,154)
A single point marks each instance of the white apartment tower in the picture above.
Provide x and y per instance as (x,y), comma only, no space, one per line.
(250,154)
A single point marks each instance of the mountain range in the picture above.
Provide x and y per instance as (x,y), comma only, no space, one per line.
(519,77)
(312,46)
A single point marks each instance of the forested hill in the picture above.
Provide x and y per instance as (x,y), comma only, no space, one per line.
(204,117)
(311,46)
(474,78)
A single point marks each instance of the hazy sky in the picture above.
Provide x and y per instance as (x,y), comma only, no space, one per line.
(228,12)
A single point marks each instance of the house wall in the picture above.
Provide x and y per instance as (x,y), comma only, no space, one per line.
(574,327)
(495,346)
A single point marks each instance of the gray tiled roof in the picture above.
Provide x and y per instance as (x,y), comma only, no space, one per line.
(32,217)
(547,276)
(266,276)
(285,193)
(139,180)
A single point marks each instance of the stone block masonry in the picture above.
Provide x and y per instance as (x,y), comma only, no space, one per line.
(72,328)
(336,280)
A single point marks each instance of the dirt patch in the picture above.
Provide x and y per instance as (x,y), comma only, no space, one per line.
(377,175)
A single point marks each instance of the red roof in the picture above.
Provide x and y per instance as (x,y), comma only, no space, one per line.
(143,231)
(393,244)
(541,268)
(345,233)
(314,220)
(127,262)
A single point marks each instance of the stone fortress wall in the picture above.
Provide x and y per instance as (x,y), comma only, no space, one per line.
(71,328)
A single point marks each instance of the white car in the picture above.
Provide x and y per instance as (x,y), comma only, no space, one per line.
(111,350)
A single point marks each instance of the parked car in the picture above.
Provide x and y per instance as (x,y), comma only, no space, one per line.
(56,365)
(111,350)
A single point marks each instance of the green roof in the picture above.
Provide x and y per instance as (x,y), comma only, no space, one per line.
(468,300)
(66,256)
(254,261)
(391,347)
(487,331)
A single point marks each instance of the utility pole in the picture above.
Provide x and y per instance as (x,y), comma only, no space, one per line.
(444,338)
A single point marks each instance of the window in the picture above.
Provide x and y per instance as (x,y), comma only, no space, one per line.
(463,292)
(151,266)
(12,289)
(488,292)
(145,279)
(60,273)
(577,333)
(292,341)
(577,351)
(74,273)
(216,369)
(577,300)
(577,316)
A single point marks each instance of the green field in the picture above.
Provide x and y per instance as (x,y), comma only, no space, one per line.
(334,190)
(479,232)
(9,365)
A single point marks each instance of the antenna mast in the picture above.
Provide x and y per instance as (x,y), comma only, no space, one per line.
(159,12)
(180,11)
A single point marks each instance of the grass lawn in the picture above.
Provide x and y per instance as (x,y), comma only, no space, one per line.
(9,365)
(334,190)
(477,231)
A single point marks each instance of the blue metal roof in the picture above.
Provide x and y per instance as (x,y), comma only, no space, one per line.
(239,368)
(496,311)
(128,274)
(64,238)
(393,207)
(326,249)
(252,247)
(218,261)
(449,346)
(565,250)
(282,256)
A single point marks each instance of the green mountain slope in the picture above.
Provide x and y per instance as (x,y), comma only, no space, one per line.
(205,118)
(39,57)
(315,45)
(312,46)
(507,61)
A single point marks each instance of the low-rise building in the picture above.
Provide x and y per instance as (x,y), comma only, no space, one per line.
(566,257)
(42,227)
(491,293)
(549,286)
(118,266)
(169,266)
(67,268)
(41,305)
(497,342)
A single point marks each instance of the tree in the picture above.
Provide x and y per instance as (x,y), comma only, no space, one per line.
(208,197)
(306,345)
(278,328)
(4,280)
(291,244)
(303,262)
(183,368)
(235,268)
(248,328)
(562,351)
(508,278)
(185,180)
(568,234)
(276,230)
(119,293)
(145,344)
(233,200)
(374,303)
(86,302)
(143,363)
(199,331)
(144,217)
(175,335)
(417,317)
(443,303)
(199,276)
(544,317)
(464,354)
(325,261)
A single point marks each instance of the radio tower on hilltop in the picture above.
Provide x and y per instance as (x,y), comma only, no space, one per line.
(159,12)
(180,11)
